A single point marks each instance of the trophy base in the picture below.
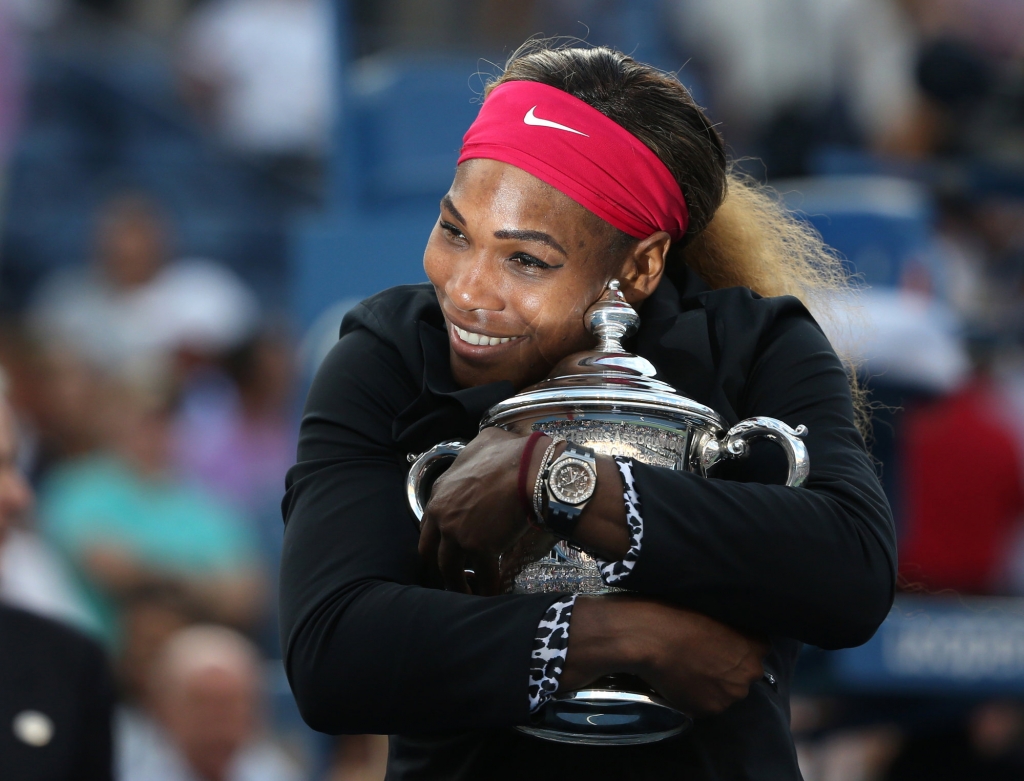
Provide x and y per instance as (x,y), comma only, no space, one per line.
(607,717)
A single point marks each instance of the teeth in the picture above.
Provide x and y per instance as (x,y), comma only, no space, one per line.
(480,339)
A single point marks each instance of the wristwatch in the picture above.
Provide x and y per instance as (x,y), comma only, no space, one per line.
(570,481)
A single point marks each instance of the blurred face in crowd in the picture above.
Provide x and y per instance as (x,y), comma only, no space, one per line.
(516,264)
(210,712)
(132,242)
(68,404)
(138,426)
(146,626)
(15,494)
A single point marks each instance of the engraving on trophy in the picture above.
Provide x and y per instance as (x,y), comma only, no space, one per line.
(628,439)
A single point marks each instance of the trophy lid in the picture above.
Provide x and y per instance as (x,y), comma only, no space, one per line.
(605,379)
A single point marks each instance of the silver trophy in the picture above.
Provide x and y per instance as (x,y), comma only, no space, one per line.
(609,400)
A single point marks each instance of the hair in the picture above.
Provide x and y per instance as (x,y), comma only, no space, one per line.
(740,232)
(202,647)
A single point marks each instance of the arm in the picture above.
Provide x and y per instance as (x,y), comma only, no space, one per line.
(235,597)
(815,563)
(368,648)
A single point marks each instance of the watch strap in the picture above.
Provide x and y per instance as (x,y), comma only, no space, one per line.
(562,519)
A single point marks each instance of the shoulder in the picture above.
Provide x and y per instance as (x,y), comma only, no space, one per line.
(373,372)
(74,490)
(393,315)
(380,339)
(739,310)
(713,344)
(40,637)
(744,326)
(381,343)
(90,477)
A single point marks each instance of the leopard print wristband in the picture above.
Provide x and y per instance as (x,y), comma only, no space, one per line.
(549,648)
(614,572)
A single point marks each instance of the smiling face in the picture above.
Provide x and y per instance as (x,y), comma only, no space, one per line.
(516,264)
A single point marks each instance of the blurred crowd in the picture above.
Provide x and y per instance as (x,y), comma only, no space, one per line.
(151,392)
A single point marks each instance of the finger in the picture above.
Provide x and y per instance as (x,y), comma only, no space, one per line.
(452,561)
(430,538)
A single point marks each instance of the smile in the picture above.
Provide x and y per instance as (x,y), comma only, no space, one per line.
(481,340)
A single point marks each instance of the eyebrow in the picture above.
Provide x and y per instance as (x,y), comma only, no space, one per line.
(538,236)
(446,202)
(515,235)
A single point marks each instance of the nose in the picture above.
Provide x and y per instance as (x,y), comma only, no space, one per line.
(473,285)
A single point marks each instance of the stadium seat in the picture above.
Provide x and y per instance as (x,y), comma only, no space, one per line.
(879,224)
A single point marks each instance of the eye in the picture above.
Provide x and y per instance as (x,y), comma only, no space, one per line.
(452,231)
(529,261)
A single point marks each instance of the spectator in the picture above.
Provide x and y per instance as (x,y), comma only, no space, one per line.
(261,70)
(131,303)
(10,85)
(150,616)
(240,442)
(126,524)
(790,75)
(961,513)
(61,398)
(56,695)
(31,574)
(205,694)
(237,437)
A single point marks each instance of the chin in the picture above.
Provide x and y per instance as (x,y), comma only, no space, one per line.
(468,376)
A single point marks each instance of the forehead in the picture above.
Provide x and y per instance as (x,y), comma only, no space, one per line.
(502,193)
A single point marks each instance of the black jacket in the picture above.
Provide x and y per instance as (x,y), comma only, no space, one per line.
(368,649)
(51,672)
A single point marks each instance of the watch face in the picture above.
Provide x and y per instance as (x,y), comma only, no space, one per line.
(572,481)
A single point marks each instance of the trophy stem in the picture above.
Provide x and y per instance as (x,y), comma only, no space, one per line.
(612,319)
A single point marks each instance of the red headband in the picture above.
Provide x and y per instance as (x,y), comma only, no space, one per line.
(579,151)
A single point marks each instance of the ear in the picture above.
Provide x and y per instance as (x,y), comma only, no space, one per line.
(642,269)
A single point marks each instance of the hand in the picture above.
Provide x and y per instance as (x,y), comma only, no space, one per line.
(474,511)
(698,664)
(704,666)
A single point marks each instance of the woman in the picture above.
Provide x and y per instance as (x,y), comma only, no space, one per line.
(583,166)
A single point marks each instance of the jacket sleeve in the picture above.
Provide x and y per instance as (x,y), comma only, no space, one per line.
(815,563)
(366,648)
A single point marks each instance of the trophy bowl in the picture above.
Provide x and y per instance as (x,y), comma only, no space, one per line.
(609,400)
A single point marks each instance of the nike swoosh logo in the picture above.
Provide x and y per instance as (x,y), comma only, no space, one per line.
(532,119)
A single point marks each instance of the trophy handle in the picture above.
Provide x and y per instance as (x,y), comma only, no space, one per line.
(734,445)
(425,469)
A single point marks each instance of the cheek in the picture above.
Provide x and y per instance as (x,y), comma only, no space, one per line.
(558,307)
(436,259)
(558,322)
